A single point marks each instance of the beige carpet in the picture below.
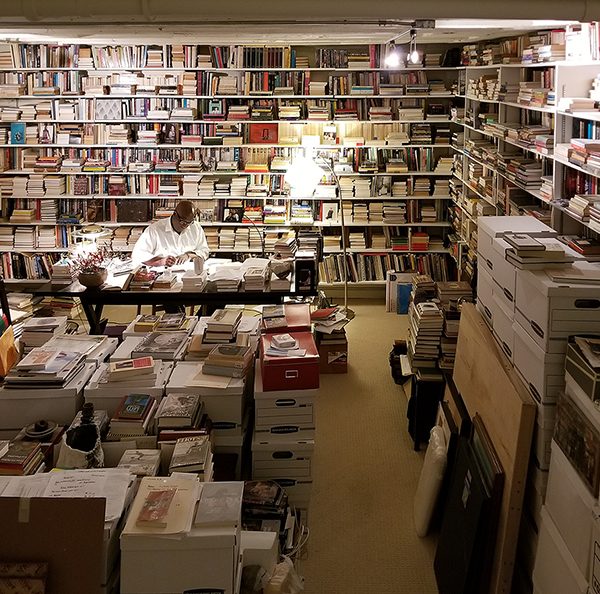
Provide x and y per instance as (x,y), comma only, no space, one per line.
(365,472)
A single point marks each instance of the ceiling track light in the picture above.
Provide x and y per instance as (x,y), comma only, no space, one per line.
(413,54)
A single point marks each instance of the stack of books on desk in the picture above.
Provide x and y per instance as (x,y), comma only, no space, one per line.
(190,281)
(141,280)
(222,326)
(22,458)
(255,277)
(165,281)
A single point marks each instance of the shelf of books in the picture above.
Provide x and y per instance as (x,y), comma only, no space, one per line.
(117,135)
(507,161)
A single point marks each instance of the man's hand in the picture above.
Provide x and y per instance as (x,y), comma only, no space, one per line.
(161,261)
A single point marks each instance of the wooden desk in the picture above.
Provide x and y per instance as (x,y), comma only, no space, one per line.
(94,300)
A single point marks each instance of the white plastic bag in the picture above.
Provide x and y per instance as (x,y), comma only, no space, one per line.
(284,580)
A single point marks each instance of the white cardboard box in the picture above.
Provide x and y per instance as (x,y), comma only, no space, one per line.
(503,325)
(548,310)
(225,407)
(485,292)
(290,458)
(260,548)
(285,408)
(543,373)
(570,506)
(202,558)
(555,571)
(21,407)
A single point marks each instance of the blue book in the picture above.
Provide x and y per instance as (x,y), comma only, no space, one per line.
(403,297)
(17,133)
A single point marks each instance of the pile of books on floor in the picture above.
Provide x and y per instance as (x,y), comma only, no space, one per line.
(451,295)
(426,323)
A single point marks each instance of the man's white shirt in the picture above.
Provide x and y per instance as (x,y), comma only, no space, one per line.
(160,239)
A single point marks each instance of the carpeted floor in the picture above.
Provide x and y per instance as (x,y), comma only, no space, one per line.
(365,472)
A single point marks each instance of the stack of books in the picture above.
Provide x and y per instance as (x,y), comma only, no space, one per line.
(22,458)
(425,328)
(142,280)
(581,204)
(132,417)
(264,506)
(222,326)
(45,368)
(229,360)
(533,253)
(38,331)
(165,281)
(255,277)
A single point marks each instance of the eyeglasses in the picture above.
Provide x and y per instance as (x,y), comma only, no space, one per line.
(184,222)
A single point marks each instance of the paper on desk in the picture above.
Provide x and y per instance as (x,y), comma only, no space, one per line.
(27,486)
(249,324)
(4,482)
(109,483)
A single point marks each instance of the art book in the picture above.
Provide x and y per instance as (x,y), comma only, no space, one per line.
(220,504)
(141,462)
(37,359)
(178,410)
(190,454)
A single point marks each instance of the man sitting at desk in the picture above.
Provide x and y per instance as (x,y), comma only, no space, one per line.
(173,240)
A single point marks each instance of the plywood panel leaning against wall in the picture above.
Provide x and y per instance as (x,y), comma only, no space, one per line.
(489,386)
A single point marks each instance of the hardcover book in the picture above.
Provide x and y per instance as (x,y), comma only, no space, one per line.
(134,407)
(190,454)
(178,410)
(140,462)
(220,504)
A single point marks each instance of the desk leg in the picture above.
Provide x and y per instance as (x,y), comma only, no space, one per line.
(93,316)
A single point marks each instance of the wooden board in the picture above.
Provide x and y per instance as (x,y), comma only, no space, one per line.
(489,386)
(66,532)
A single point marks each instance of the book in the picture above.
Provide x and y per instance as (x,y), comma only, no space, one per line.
(37,359)
(230,355)
(134,407)
(120,370)
(146,322)
(140,462)
(284,341)
(178,410)
(224,320)
(190,454)
(170,322)
(155,508)
(220,504)
(162,345)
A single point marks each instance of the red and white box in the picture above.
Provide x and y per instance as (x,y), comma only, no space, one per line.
(290,373)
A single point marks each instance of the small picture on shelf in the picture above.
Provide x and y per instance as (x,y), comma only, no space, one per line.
(233,215)
(46,135)
(329,134)
(330,212)
(170,133)
(264,133)
(215,107)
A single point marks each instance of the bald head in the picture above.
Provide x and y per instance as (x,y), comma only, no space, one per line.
(183,216)
(185,210)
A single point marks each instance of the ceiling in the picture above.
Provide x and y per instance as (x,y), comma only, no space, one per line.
(333,32)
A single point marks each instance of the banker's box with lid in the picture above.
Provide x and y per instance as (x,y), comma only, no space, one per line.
(548,310)
(290,373)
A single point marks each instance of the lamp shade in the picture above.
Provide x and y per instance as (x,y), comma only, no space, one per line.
(303,176)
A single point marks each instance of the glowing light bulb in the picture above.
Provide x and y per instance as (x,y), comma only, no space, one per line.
(414,57)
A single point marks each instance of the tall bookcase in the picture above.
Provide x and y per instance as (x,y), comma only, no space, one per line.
(219,126)
(508,160)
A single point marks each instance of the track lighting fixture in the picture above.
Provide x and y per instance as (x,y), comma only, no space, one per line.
(393,57)
(413,54)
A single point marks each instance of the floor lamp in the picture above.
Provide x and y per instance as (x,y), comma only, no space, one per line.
(303,176)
